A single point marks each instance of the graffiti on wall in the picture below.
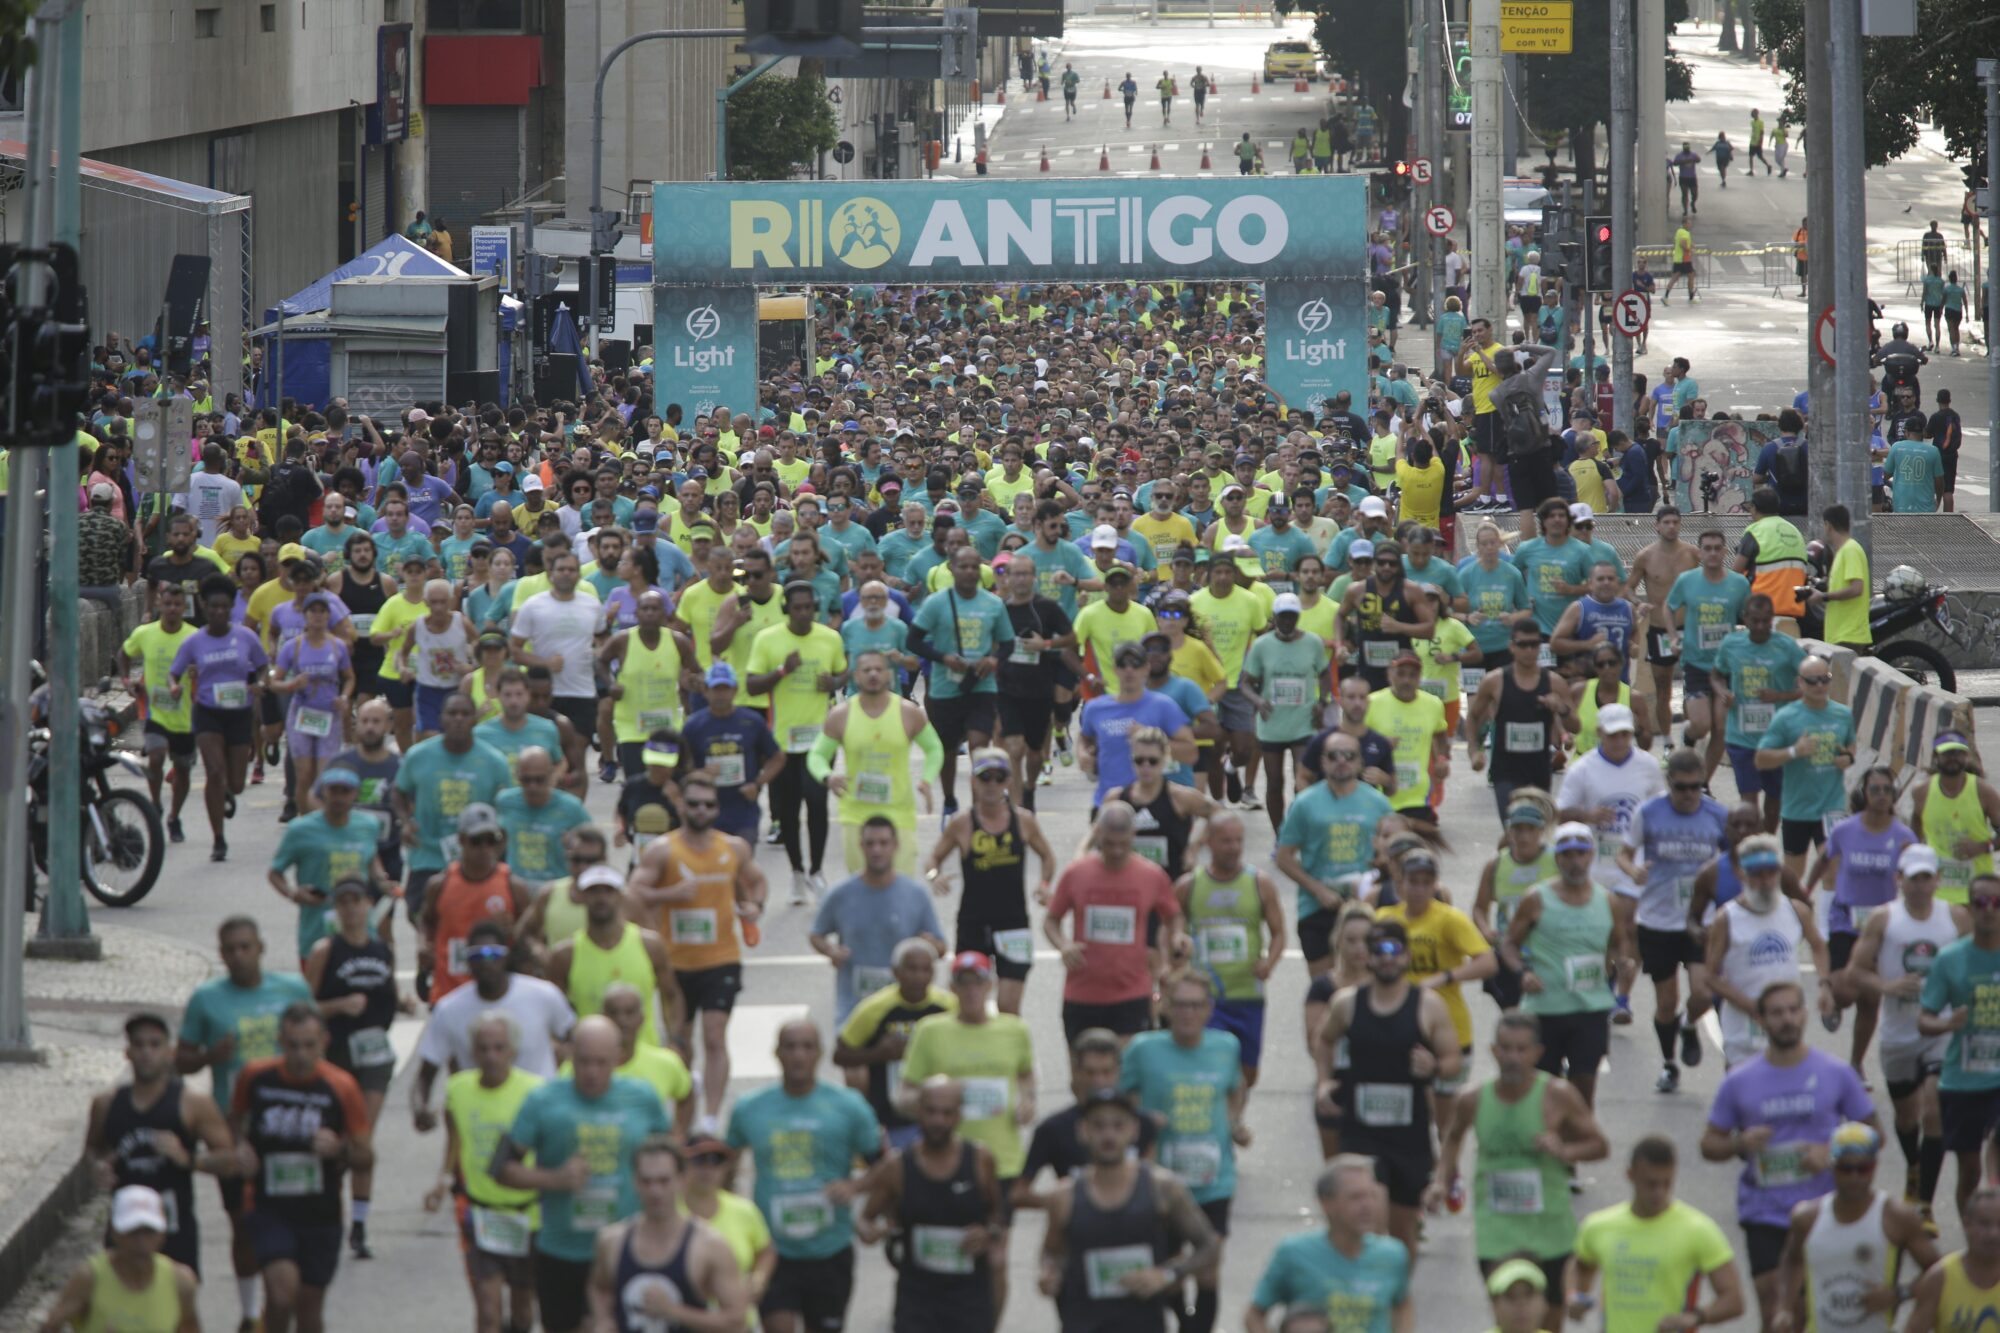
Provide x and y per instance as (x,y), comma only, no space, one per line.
(1970,639)
(1712,470)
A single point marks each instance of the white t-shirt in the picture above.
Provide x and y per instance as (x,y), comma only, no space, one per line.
(1454,267)
(1593,780)
(210,496)
(557,628)
(542,1017)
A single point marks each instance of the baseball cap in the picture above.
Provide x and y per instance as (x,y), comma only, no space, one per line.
(1286,603)
(1949,740)
(1614,718)
(1117,572)
(1156,640)
(659,754)
(1103,536)
(646,521)
(1129,653)
(418,416)
(1361,550)
(1574,835)
(1582,513)
(1854,1139)
(971,963)
(600,877)
(1106,1098)
(1527,813)
(720,674)
(1373,507)
(531,482)
(889,484)
(1506,1275)
(1918,859)
(291,551)
(1232,489)
(103,490)
(989,759)
(1235,545)
(477,819)
(137,1208)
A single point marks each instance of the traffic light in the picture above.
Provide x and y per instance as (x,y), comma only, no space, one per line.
(353,212)
(829,29)
(47,352)
(1402,169)
(1597,245)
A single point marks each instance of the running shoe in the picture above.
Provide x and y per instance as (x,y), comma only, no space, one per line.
(257,773)
(357,1241)
(1249,802)
(1621,1013)
(1669,1079)
(1831,1022)
(289,813)
(1690,1045)
(219,852)
(944,815)
(174,831)
(816,885)
(607,772)
(801,892)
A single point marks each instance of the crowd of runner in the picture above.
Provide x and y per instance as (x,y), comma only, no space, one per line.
(996,536)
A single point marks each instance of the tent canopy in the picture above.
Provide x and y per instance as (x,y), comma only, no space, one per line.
(393,257)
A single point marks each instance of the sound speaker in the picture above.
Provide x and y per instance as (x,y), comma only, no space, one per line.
(474,386)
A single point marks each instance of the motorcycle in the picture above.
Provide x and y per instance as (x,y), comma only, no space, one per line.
(1906,601)
(123,841)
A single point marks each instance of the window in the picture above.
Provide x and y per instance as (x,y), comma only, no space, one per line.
(474,15)
(267,18)
(208,23)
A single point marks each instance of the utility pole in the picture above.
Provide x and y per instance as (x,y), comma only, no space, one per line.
(1489,250)
(1423,192)
(1651,41)
(1822,238)
(1989,74)
(1850,269)
(1624,236)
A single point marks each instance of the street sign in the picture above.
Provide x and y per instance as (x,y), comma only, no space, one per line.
(1632,313)
(1420,171)
(843,152)
(1537,27)
(1823,335)
(1438,220)
(161,429)
(493,252)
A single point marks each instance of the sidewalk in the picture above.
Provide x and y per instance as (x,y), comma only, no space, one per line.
(76,1013)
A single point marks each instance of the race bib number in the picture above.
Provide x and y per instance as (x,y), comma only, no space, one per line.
(1756,718)
(501,1231)
(1546,658)
(1525,737)
(1198,1162)
(1385,1105)
(1981,1054)
(868,980)
(1111,925)
(1584,972)
(596,1205)
(232,694)
(1406,776)
(653,719)
(940,1250)
(1025,656)
(369,1048)
(1859,915)
(1378,652)
(454,957)
(1782,1166)
(1103,1269)
(1223,942)
(1515,1193)
(1433,687)
(873,788)
(363,622)
(691,925)
(1470,677)
(1683,893)
(1016,946)
(728,769)
(292,1175)
(1954,874)
(985,1098)
(1288,692)
(313,722)
(801,1216)
(800,739)
(1709,637)
(162,699)
(1151,846)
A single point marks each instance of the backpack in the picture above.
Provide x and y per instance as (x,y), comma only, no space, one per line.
(1522,428)
(1788,466)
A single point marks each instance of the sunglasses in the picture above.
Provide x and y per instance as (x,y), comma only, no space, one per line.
(1147,761)
(1531,644)
(1985,902)
(1171,615)
(485,953)
(1343,756)
(1815,680)
(990,775)
(1687,786)
(581,859)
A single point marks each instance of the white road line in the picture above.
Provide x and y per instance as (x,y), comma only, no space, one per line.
(753,1037)
(1170,148)
(1712,1029)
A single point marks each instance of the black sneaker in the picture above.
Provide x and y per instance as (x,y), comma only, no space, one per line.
(174,832)
(1690,1045)
(289,813)
(607,772)
(219,852)
(1669,1079)
(357,1241)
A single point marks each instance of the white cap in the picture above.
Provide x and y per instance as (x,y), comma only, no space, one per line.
(1614,718)
(1086,442)
(1572,830)
(946,361)
(1235,545)
(137,1208)
(1286,601)
(1234,488)
(1361,550)
(531,482)
(1918,859)
(418,416)
(597,876)
(1104,536)
(1581,513)
(1373,507)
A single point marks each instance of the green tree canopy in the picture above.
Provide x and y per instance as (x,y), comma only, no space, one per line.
(778,125)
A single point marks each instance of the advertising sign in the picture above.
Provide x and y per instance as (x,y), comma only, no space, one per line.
(996,231)
(393,60)
(1537,27)
(705,348)
(493,252)
(1316,340)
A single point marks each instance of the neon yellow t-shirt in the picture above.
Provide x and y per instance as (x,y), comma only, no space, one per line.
(1409,727)
(798,705)
(1231,623)
(1648,1262)
(987,1059)
(1440,679)
(1099,630)
(1440,939)
(395,618)
(154,649)
(481,1116)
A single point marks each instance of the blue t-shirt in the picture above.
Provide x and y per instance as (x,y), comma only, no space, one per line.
(1188,1091)
(1498,594)
(556,1123)
(970,627)
(440,784)
(732,749)
(1914,467)
(1107,722)
(221,1008)
(871,922)
(800,1145)
(1334,835)
(1361,1294)
(1193,703)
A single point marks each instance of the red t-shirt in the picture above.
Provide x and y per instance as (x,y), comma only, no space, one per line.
(1112,908)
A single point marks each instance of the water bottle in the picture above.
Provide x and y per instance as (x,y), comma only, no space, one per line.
(1454,1198)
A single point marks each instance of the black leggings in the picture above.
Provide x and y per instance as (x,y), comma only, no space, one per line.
(793,785)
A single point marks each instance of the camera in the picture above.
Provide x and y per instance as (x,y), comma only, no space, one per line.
(1711,488)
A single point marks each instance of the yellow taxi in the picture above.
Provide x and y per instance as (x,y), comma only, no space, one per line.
(1290,60)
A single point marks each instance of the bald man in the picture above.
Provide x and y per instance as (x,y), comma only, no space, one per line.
(1112,952)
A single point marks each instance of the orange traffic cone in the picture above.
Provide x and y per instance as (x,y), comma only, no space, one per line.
(1041,93)
(1155,166)
(975,92)
(1301,86)
(1204,157)
(1045,157)
(1104,158)
(1254,89)
(1107,90)
(1000,94)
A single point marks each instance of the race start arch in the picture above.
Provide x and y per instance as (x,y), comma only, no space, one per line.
(1303,238)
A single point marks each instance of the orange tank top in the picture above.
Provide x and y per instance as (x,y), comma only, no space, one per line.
(701,933)
(463,904)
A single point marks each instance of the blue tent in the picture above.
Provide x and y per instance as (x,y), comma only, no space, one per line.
(563,338)
(394,257)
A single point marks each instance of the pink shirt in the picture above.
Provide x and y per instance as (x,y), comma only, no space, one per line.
(1112,908)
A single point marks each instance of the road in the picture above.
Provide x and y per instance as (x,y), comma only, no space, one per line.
(416,1265)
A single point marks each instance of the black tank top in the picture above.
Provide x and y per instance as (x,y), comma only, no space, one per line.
(931,1214)
(635,1279)
(368,970)
(363,599)
(127,1133)
(1378,648)
(1100,1245)
(1381,1102)
(995,877)
(1158,829)
(1520,753)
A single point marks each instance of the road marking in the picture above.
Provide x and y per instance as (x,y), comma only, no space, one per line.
(1065,152)
(753,1037)
(1170,148)
(1712,1029)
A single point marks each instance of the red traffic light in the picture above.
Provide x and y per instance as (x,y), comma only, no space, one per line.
(1603,233)
(1402,168)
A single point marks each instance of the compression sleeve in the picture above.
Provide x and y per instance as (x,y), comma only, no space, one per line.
(927,741)
(819,760)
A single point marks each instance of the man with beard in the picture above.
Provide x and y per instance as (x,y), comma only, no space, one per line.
(1956,813)
(1753,945)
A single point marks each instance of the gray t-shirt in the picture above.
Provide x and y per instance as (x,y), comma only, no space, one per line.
(871,922)
(378,779)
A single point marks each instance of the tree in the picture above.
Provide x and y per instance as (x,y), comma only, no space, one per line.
(1905,80)
(778,125)
(1572,93)
(1354,38)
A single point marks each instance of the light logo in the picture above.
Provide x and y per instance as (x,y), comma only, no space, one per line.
(1315,317)
(703,323)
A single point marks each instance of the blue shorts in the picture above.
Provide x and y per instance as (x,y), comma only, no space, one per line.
(430,706)
(1749,779)
(1243,1019)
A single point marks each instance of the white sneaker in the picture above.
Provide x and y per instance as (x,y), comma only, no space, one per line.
(816,884)
(706,1125)
(801,889)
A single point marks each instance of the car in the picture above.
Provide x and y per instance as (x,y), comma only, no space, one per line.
(1521,202)
(1290,60)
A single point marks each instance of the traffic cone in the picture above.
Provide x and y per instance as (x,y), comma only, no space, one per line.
(1041,93)
(975,92)
(1301,86)
(1000,94)
(1254,89)
(1104,158)
(1204,157)
(1045,157)
(1107,90)
(1155,166)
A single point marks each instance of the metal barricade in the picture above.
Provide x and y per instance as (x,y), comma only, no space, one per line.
(1779,269)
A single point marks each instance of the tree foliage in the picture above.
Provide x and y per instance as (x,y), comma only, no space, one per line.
(1572,93)
(1907,81)
(777,125)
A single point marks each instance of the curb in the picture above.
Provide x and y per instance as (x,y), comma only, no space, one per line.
(38,1212)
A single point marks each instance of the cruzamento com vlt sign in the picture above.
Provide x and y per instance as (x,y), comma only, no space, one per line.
(1009,231)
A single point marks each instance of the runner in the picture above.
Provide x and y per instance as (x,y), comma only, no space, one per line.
(1861,856)
(221,667)
(1812,741)
(1044,650)
(1113,894)
(1382,617)
(475,887)
(1655,570)
(1237,928)
(992,840)
(436,782)
(131,1284)
(1704,604)
(1653,1250)
(1565,936)
(1847,1248)
(661,1269)
(1445,951)
(1284,679)
(1956,813)
(1524,702)
(1753,944)
(877,1034)
(1414,722)
(146,659)
(1524,860)
(612,951)
(1323,846)
(1230,618)
(1755,673)
(1963,1285)
(1348,1268)
(802,665)
(873,732)
(541,1019)
(733,747)
(1169,819)
(1969,1083)
(976,633)
(650,666)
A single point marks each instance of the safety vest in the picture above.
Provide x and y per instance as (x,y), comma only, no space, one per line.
(1781,563)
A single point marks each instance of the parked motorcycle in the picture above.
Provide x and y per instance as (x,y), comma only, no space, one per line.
(1906,601)
(123,841)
